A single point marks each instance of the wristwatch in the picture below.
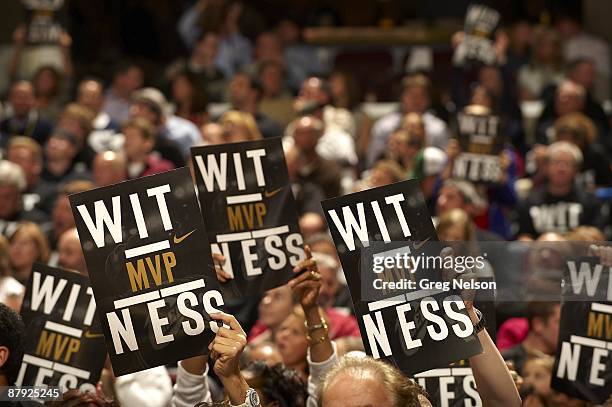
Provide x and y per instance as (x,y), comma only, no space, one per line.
(252,399)
(480,325)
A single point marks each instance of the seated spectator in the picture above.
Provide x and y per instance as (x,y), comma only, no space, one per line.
(306,133)
(333,293)
(266,352)
(316,92)
(311,223)
(70,252)
(61,152)
(235,50)
(12,340)
(104,134)
(24,119)
(189,98)
(276,101)
(12,186)
(544,68)
(61,215)
(78,120)
(39,193)
(559,205)
(238,126)
(429,164)
(569,97)
(109,168)
(28,245)
(52,89)
(139,143)
(415,98)
(384,172)
(277,304)
(596,169)
(462,195)
(212,133)
(307,195)
(537,372)
(127,78)
(402,147)
(290,339)
(245,94)
(11,291)
(172,131)
(201,64)
(542,337)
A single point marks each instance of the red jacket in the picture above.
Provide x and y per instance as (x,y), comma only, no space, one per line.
(155,165)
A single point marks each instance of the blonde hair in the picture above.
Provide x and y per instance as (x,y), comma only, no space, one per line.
(83,115)
(33,231)
(29,144)
(579,126)
(245,120)
(565,147)
(455,217)
(403,391)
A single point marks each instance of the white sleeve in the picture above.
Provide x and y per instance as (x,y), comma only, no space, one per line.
(190,388)
(151,387)
(317,370)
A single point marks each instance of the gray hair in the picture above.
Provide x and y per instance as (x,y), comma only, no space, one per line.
(468,192)
(565,147)
(12,175)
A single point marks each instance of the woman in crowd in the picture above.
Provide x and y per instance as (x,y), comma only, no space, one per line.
(239,126)
(27,245)
(545,67)
(189,97)
(11,290)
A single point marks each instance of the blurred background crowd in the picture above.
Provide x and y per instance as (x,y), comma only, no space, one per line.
(364,94)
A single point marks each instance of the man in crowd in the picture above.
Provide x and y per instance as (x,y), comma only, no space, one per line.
(542,337)
(306,132)
(415,98)
(103,137)
(109,168)
(70,252)
(27,153)
(139,143)
(12,185)
(23,119)
(559,205)
(61,215)
(172,131)
(245,94)
(12,340)
(60,159)
(127,79)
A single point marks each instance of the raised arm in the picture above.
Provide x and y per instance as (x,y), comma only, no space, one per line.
(493,379)
(322,354)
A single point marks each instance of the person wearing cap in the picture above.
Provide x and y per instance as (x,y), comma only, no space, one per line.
(428,165)
(151,104)
(12,184)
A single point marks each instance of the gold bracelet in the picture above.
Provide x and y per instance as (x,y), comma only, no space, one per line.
(319,340)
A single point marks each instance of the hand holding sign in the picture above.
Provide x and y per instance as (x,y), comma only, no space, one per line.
(226,349)
(307,284)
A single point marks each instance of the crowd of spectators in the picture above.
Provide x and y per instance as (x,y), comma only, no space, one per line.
(62,134)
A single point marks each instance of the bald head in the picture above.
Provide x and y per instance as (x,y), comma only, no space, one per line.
(109,168)
(91,94)
(306,133)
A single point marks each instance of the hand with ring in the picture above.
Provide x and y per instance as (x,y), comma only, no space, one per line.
(307,284)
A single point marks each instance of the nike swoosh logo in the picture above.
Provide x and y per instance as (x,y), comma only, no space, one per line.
(418,246)
(178,240)
(91,336)
(272,193)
